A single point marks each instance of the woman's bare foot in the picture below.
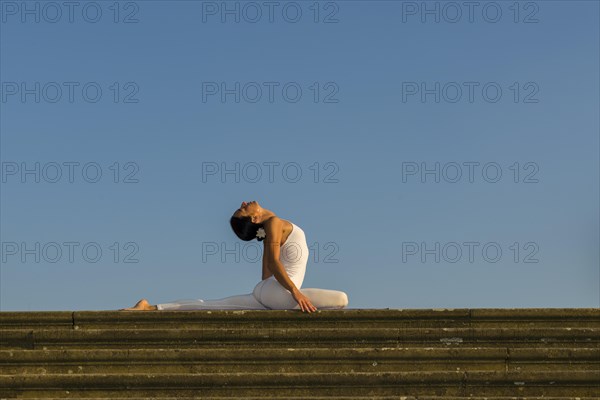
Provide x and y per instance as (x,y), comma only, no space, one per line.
(141,305)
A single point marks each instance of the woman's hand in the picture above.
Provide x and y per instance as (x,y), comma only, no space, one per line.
(304,301)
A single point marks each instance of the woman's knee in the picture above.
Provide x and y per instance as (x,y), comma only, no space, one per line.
(326,298)
(342,300)
(337,299)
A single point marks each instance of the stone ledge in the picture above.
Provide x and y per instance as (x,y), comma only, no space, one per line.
(66,317)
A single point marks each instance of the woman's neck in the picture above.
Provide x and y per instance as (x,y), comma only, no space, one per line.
(266,214)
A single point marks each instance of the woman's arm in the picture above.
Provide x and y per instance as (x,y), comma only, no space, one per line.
(273,229)
(266,272)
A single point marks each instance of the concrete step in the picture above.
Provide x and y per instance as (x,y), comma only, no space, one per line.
(271,360)
(572,383)
(308,336)
(425,397)
(346,318)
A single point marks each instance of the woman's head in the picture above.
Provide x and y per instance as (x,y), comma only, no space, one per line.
(245,221)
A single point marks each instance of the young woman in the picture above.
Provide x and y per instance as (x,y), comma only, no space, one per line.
(285,256)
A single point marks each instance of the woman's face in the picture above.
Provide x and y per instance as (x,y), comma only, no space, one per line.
(247,209)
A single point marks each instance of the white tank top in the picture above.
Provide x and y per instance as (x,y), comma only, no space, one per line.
(293,255)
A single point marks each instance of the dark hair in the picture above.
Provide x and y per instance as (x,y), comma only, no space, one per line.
(244,228)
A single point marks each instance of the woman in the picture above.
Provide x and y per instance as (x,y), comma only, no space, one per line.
(284,261)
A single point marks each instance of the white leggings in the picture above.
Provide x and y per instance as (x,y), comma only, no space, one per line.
(268,294)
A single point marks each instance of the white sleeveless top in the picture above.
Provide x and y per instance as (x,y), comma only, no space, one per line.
(293,255)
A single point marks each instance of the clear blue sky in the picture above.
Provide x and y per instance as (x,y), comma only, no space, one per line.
(343,93)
